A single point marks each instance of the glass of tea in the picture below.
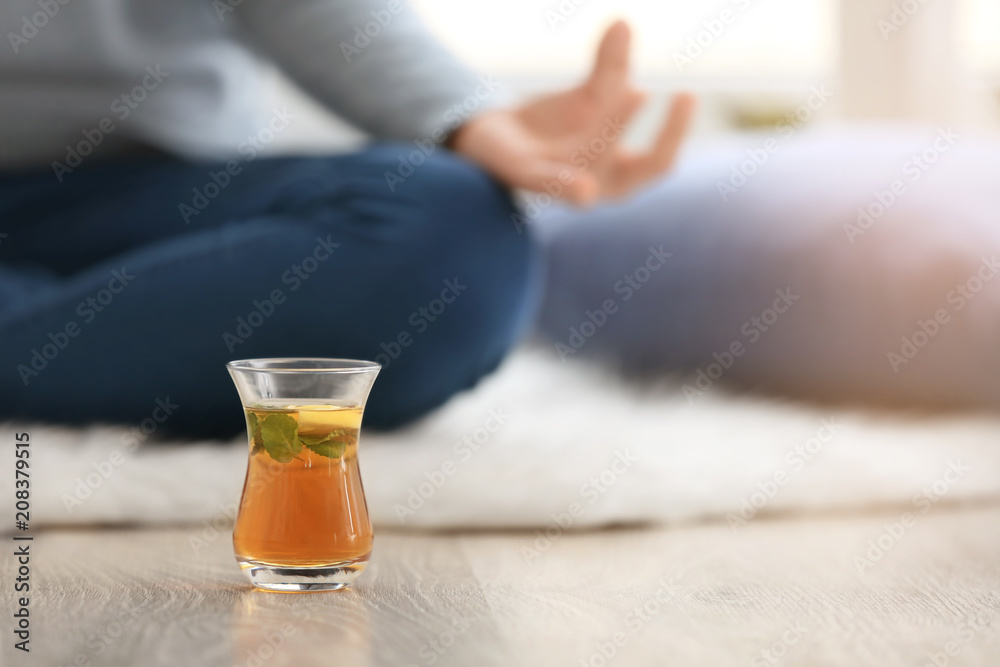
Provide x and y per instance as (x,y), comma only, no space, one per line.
(302,523)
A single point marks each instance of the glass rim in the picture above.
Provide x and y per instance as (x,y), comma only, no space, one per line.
(294,365)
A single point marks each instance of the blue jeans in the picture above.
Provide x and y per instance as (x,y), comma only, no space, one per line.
(125,288)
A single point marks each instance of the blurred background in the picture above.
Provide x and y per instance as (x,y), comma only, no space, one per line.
(751,62)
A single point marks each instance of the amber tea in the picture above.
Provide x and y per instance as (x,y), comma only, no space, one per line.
(303,504)
(302,523)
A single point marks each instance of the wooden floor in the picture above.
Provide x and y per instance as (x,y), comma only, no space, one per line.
(785,592)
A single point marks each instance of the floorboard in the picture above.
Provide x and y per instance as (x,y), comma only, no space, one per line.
(785,591)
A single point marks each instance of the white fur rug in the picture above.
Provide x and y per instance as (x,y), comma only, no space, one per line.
(547,444)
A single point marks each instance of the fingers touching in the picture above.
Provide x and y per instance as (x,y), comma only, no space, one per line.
(560,179)
(608,87)
(568,144)
(638,169)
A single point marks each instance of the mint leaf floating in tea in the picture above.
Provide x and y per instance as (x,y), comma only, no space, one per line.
(253,426)
(328,444)
(278,431)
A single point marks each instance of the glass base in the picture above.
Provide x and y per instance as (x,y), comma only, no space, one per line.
(291,579)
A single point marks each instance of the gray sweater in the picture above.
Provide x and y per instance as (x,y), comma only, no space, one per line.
(108,76)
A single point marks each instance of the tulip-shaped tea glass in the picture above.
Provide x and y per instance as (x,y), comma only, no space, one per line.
(302,523)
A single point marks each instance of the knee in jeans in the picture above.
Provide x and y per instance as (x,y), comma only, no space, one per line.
(443,182)
(472,208)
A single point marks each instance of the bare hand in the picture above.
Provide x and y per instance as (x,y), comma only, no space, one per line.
(570,141)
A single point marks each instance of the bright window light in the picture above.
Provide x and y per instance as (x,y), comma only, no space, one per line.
(768,38)
(979,23)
